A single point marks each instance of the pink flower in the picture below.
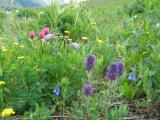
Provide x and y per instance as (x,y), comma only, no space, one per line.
(46,30)
(32,35)
(41,34)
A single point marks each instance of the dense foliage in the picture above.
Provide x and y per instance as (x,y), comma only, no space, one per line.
(81,61)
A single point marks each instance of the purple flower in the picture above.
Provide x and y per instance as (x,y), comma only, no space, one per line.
(88,89)
(74,45)
(57,91)
(48,37)
(89,63)
(113,72)
(120,68)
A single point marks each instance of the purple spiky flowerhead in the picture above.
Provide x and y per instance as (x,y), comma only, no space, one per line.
(115,70)
(120,67)
(89,62)
(88,90)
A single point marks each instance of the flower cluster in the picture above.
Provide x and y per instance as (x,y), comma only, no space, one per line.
(2,83)
(43,34)
(7,112)
(114,70)
(88,89)
(89,62)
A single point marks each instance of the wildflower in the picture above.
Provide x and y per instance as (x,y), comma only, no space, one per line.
(32,35)
(1,38)
(74,45)
(90,61)
(7,112)
(70,40)
(112,71)
(4,49)
(99,42)
(88,90)
(93,24)
(15,43)
(57,91)
(20,57)
(67,32)
(2,83)
(46,30)
(84,38)
(132,76)
(148,61)
(21,46)
(120,68)
(48,37)
(41,34)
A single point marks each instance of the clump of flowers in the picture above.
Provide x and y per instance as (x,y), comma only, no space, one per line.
(89,62)
(57,91)
(2,83)
(88,90)
(114,70)
(7,112)
(32,35)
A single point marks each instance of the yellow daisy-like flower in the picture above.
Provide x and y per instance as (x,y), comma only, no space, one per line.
(7,112)
(15,43)
(67,32)
(20,57)
(2,83)
(4,49)
(84,38)
(99,42)
(21,46)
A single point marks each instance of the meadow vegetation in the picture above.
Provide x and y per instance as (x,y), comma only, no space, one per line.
(95,60)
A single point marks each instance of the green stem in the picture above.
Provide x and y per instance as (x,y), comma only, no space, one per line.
(1,97)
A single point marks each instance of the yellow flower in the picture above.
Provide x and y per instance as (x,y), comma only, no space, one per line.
(4,49)
(20,57)
(7,112)
(67,32)
(2,83)
(21,46)
(1,38)
(99,42)
(84,38)
(70,40)
(93,24)
(15,43)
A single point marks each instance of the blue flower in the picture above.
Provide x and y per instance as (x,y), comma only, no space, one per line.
(148,60)
(57,91)
(132,76)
